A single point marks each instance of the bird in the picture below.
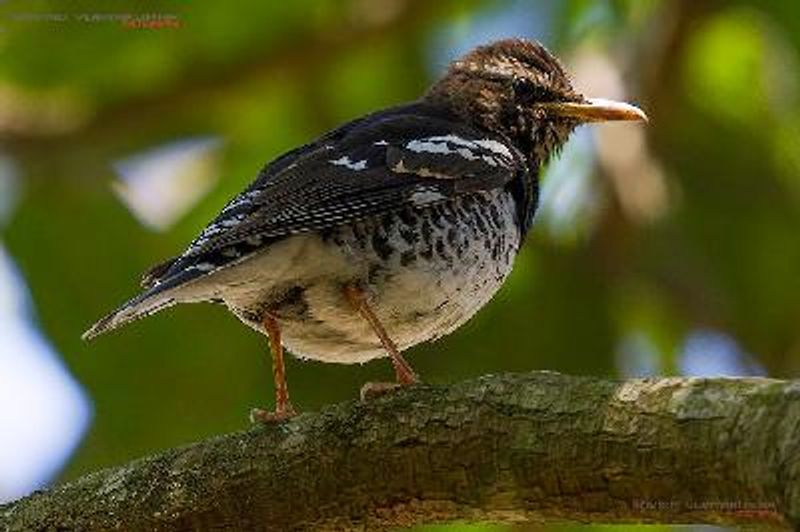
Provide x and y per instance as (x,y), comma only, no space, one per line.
(391,230)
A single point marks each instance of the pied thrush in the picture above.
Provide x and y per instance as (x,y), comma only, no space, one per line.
(391,230)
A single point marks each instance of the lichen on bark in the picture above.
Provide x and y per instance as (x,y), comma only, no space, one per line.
(531,447)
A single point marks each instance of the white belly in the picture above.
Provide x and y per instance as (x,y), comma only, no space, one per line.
(451,278)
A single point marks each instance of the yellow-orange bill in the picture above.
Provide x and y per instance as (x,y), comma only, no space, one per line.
(595,110)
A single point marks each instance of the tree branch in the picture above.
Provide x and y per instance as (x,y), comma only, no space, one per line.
(530,447)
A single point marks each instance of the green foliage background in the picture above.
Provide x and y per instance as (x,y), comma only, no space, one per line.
(718,79)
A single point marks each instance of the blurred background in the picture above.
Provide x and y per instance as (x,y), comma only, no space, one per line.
(666,249)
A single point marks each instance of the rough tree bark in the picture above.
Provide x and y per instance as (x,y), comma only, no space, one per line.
(532,447)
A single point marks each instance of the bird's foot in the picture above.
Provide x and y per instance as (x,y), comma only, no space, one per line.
(258,415)
(372,390)
(405,377)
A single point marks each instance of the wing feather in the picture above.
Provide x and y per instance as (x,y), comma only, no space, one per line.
(381,163)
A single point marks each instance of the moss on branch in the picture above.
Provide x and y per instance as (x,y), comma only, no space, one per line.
(529,447)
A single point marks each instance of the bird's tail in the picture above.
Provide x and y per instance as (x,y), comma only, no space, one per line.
(162,291)
(141,306)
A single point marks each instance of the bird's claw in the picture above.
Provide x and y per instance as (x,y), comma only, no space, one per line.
(258,415)
(371,390)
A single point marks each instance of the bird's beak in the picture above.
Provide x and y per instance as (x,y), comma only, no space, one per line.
(595,110)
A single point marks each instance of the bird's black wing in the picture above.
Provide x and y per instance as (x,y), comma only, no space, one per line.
(379,164)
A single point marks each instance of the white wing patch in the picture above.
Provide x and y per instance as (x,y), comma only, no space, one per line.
(202,266)
(346,162)
(213,229)
(400,168)
(472,150)
(426,195)
(242,199)
(494,146)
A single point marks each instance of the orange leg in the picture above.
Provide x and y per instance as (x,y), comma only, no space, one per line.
(283,408)
(405,375)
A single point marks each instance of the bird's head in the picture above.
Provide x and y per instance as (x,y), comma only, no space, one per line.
(517,88)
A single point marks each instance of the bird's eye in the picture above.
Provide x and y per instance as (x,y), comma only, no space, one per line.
(525,91)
